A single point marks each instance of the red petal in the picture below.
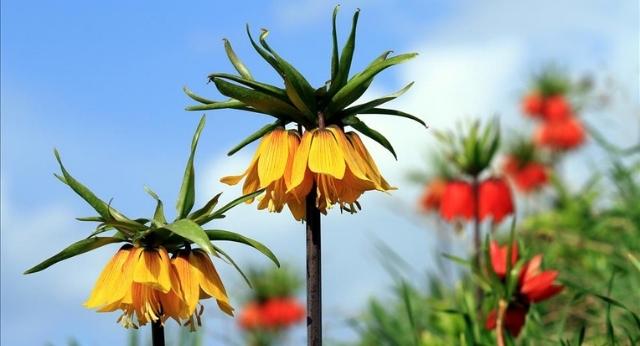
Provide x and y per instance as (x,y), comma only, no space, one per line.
(535,285)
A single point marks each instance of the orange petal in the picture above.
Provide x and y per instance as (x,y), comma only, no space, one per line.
(274,154)
(325,156)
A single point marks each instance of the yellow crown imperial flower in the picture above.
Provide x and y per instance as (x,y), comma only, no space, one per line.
(157,274)
(316,155)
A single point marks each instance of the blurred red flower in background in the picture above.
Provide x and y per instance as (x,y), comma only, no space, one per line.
(498,255)
(564,134)
(457,201)
(272,314)
(556,108)
(495,199)
(432,195)
(533,105)
(534,285)
(526,177)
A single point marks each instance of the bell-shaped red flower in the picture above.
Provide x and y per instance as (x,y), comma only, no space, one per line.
(556,108)
(514,318)
(499,254)
(282,312)
(495,199)
(526,177)
(533,105)
(563,134)
(457,201)
(251,317)
(432,195)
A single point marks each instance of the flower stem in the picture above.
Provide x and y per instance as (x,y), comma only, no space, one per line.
(157,333)
(314,273)
(502,308)
(477,241)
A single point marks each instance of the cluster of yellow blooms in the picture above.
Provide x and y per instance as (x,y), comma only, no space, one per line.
(288,167)
(146,283)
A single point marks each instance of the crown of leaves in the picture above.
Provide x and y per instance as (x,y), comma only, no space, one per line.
(186,229)
(298,102)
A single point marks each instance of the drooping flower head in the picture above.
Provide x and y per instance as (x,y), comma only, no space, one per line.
(495,199)
(457,201)
(432,195)
(524,166)
(561,135)
(322,155)
(164,269)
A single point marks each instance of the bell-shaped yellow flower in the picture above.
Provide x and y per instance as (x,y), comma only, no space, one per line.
(338,164)
(144,283)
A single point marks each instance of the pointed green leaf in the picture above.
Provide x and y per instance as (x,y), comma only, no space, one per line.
(261,101)
(263,87)
(208,208)
(74,249)
(195,97)
(335,62)
(90,219)
(374,103)
(300,92)
(264,54)
(233,263)
(220,212)
(357,85)
(187,194)
(235,61)
(375,135)
(386,111)
(255,136)
(215,234)
(191,231)
(232,104)
(345,58)
(158,216)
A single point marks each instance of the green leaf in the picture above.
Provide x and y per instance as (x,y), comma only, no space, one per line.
(235,61)
(74,249)
(375,135)
(158,216)
(90,219)
(255,136)
(233,263)
(213,105)
(187,194)
(386,111)
(215,234)
(208,208)
(335,62)
(265,55)
(357,85)
(195,97)
(261,101)
(220,212)
(345,58)
(263,87)
(300,92)
(374,103)
(190,230)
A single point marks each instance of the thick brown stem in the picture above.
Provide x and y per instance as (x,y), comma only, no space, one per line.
(502,309)
(314,272)
(157,333)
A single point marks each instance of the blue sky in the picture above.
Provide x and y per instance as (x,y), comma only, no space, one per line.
(102,82)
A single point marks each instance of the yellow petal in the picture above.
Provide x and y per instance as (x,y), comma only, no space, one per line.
(210,280)
(372,169)
(152,269)
(189,283)
(274,154)
(351,156)
(325,156)
(299,168)
(234,179)
(114,281)
(294,143)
